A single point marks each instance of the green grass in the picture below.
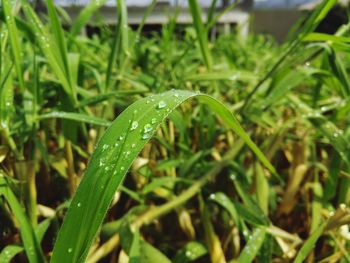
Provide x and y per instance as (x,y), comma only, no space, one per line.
(105,156)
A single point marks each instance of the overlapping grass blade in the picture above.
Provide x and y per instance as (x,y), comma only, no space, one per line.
(309,26)
(114,154)
(29,239)
(326,127)
(10,251)
(50,50)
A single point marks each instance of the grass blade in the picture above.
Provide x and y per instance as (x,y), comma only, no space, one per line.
(85,15)
(29,239)
(224,201)
(202,33)
(309,244)
(114,154)
(9,252)
(78,117)
(252,248)
(49,48)
(14,40)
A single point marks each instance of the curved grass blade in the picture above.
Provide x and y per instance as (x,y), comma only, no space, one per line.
(223,200)
(114,154)
(85,15)
(29,239)
(9,252)
(79,117)
(253,246)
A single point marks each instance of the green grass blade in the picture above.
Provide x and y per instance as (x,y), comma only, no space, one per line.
(224,201)
(78,117)
(190,252)
(115,153)
(311,23)
(144,18)
(50,49)
(9,252)
(252,248)
(150,254)
(29,239)
(14,40)
(202,33)
(58,36)
(85,15)
(309,244)
(339,71)
(6,99)
(120,42)
(326,127)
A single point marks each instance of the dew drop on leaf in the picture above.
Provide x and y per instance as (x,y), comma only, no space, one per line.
(134,125)
(147,128)
(161,104)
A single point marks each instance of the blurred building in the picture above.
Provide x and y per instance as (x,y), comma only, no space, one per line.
(274,17)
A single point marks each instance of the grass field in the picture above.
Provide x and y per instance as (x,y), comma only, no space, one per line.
(171,146)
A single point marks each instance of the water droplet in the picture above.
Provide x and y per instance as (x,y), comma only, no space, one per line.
(161,104)
(147,128)
(212,196)
(122,168)
(70,250)
(335,135)
(121,138)
(133,145)
(146,136)
(154,120)
(116,144)
(79,204)
(105,147)
(134,125)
